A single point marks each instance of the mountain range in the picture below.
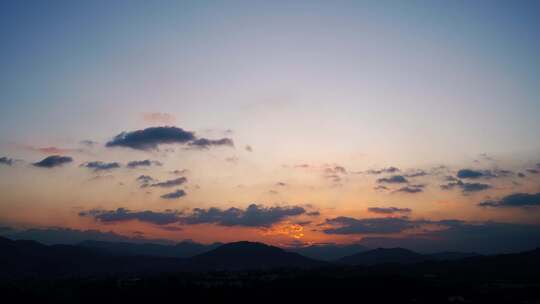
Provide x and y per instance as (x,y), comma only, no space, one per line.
(23,258)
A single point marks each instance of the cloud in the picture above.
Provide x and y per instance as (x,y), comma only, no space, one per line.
(466,187)
(53,150)
(514,200)
(281,184)
(455,235)
(469,173)
(170,183)
(179,172)
(55,235)
(101,166)
(389,210)
(474,174)
(174,195)
(533,171)
(88,143)
(232,159)
(335,170)
(411,189)
(6,161)
(253,216)
(143,163)
(122,215)
(416,173)
(204,143)
(248,148)
(145,180)
(150,138)
(53,161)
(158,117)
(394,179)
(384,170)
(385,225)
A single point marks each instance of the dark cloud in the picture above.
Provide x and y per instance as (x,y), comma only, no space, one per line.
(6,161)
(514,200)
(389,210)
(56,235)
(313,213)
(53,161)
(455,235)
(151,138)
(450,178)
(381,187)
(122,215)
(101,166)
(533,171)
(416,173)
(179,172)
(394,179)
(249,148)
(174,195)
(384,170)
(145,180)
(411,189)
(469,173)
(474,174)
(88,143)
(335,170)
(466,187)
(281,184)
(521,175)
(253,216)
(385,225)
(204,143)
(170,183)
(334,177)
(143,163)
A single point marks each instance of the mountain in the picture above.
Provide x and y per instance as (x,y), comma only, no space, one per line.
(450,255)
(250,255)
(383,256)
(329,252)
(180,250)
(22,258)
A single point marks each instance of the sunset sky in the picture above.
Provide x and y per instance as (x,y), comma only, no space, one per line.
(286,122)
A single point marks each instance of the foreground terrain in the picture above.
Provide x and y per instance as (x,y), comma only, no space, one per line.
(254,272)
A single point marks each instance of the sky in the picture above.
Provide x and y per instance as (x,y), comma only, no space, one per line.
(288,122)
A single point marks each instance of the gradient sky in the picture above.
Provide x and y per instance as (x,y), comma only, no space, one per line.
(316,95)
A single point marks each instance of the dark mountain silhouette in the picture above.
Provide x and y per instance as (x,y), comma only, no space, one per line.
(329,252)
(32,272)
(451,255)
(183,249)
(400,256)
(22,258)
(383,256)
(31,259)
(250,255)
